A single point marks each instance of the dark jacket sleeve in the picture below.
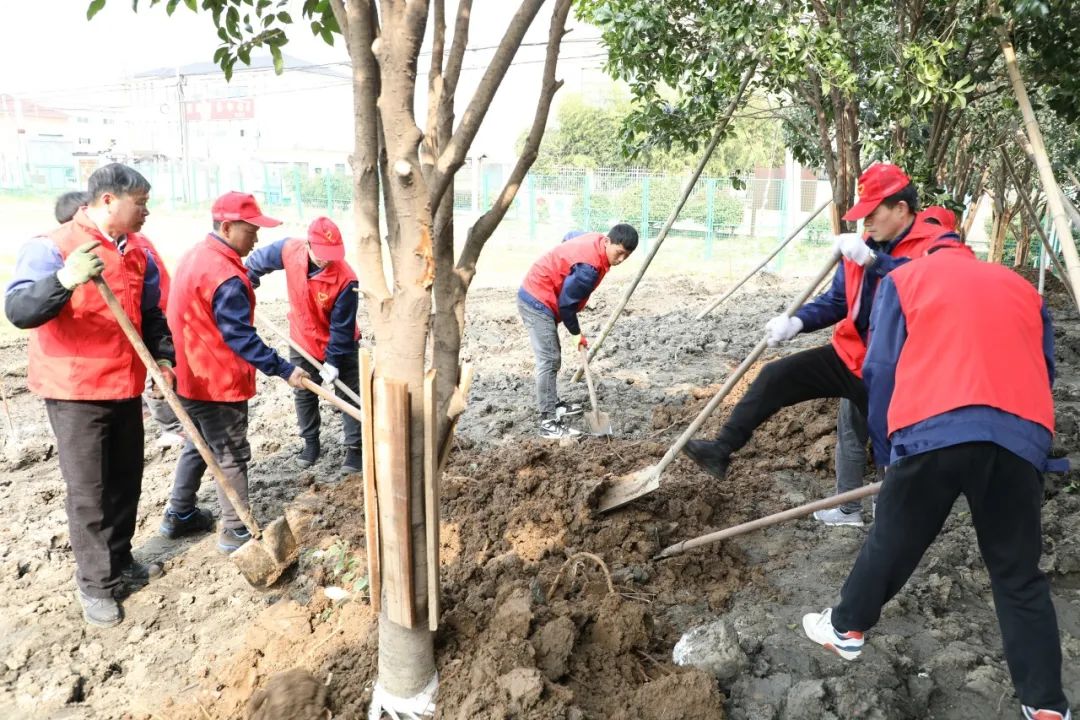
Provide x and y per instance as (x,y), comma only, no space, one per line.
(343,326)
(265,260)
(577,287)
(155,330)
(1048,342)
(34,295)
(828,308)
(232,311)
(888,333)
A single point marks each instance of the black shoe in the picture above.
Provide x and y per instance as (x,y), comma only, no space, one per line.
(136,573)
(354,461)
(232,539)
(708,457)
(310,454)
(174,525)
(565,409)
(100,612)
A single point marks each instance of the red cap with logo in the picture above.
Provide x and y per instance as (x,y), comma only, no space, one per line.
(233,206)
(944,217)
(878,182)
(324,239)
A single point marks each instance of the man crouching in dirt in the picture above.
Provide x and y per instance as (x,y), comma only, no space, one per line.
(959,370)
(90,376)
(888,201)
(323,300)
(557,286)
(211,309)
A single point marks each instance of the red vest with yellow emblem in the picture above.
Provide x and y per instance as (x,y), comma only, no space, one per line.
(311,299)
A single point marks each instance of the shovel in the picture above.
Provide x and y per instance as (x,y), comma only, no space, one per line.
(750,526)
(271,550)
(599,422)
(632,486)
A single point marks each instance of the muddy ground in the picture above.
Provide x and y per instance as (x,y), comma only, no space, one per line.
(530,628)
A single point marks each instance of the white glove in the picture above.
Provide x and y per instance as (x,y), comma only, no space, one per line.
(781,329)
(854,248)
(329,374)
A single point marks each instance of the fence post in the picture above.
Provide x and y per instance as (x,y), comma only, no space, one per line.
(329,194)
(172,185)
(530,184)
(710,215)
(298,191)
(782,210)
(586,217)
(645,211)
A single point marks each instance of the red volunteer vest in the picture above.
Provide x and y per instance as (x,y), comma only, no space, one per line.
(547,275)
(207,368)
(311,299)
(849,346)
(139,240)
(82,354)
(974,337)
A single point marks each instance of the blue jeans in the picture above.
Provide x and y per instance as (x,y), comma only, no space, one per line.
(851,436)
(544,336)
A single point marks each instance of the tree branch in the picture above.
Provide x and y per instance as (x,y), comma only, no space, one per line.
(486,224)
(453,155)
(342,16)
(457,48)
(429,149)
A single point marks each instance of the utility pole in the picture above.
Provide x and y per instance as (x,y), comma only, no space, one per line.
(184,146)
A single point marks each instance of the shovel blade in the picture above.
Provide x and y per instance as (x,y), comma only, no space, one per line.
(630,487)
(262,561)
(599,422)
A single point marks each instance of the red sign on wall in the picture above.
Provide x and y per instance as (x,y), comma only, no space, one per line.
(240,109)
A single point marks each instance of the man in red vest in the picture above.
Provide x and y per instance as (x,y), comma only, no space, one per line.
(887,205)
(938,215)
(556,288)
(169,426)
(85,368)
(322,320)
(211,311)
(959,371)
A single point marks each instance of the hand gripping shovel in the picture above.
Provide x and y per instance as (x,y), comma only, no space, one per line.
(599,422)
(271,550)
(643,482)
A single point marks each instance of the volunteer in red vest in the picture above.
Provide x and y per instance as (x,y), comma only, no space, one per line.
(887,205)
(211,311)
(959,371)
(171,431)
(322,320)
(556,288)
(82,364)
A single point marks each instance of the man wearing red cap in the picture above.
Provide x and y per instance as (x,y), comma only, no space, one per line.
(959,373)
(322,320)
(887,205)
(210,313)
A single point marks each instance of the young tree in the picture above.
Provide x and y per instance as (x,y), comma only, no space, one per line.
(411,169)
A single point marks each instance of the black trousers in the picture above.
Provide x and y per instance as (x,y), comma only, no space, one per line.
(1005,494)
(224,427)
(100,446)
(307,402)
(806,375)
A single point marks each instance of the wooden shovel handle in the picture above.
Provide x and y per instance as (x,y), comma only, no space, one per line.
(192,431)
(588,377)
(333,399)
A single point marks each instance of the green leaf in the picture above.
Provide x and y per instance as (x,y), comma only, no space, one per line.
(193,5)
(284,17)
(94,8)
(171,6)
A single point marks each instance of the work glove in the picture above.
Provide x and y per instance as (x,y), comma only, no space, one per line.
(579,341)
(170,377)
(329,374)
(297,378)
(854,248)
(781,329)
(80,266)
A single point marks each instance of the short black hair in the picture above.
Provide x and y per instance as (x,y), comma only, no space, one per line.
(69,203)
(625,235)
(908,195)
(117,179)
(217,225)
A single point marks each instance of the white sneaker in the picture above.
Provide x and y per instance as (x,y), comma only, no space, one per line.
(170,440)
(556,430)
(819,628)
(837,516)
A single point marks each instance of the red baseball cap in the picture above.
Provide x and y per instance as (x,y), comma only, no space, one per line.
(324,239)
(878,182)
(234,206)
(945,217)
